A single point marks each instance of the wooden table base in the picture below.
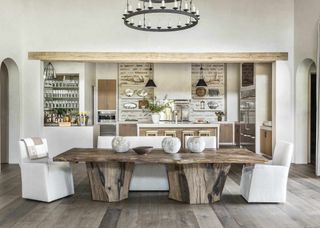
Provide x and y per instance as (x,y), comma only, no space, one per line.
(109,181)
(197,183)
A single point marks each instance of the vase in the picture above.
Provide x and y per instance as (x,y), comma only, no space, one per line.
(171,145)
(196,144)
(155,118)
(120,144)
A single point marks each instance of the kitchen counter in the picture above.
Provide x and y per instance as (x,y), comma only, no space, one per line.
(178,125)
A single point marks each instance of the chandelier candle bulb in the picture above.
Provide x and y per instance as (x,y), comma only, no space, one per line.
(193,9)
(150,4)
(175,4)
(163,3)
(186,6)
(130,8)
(198,13)
(139,6)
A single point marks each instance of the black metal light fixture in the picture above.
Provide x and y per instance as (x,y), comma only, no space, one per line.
(182,14)
(201,82)
(49,71)
(150,82)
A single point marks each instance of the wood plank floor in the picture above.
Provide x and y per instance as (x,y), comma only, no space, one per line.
(154,209)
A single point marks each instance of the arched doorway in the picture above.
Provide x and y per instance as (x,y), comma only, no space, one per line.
(9,111)
(4,114)
(306,112)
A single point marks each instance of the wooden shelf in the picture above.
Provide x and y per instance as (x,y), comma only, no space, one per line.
(160,57)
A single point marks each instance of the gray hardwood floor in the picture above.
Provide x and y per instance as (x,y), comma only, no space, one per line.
(153,209)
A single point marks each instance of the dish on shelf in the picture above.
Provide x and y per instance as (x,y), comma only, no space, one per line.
(130,105)
(214,92)
(201,91)
(142,93)
(213,105)
(129,92)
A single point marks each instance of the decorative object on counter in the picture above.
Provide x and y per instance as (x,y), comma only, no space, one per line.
(176,9)
(155,107)
(196,144)
(129,92)
(82,119)
(219,115)
(201,82)
(171,145)
(143,150)
(150,82)
(49,71)
(201,91)
(213,105)
(120,144)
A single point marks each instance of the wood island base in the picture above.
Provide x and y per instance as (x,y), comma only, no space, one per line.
(109,181)
(197,183)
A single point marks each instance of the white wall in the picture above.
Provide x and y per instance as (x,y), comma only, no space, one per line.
(306,18)
(229,25)
(263,97)
(173,80)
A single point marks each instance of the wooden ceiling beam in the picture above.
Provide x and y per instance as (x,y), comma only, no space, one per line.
(160,57)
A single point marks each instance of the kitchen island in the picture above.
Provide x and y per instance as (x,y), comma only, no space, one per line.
(180,130)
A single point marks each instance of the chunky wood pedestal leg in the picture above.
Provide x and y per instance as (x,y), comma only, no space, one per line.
(109,181)
(197,183)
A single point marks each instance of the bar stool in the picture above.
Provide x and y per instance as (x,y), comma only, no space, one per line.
(204,133)
(151,133)
(185,134)
(170,133)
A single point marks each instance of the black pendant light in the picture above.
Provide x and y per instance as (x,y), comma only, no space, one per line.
(150,82)
(201,82)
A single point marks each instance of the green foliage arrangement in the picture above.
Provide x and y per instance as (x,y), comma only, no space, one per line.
(155,106)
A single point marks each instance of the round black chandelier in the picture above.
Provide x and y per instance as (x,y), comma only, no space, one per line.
(149,15)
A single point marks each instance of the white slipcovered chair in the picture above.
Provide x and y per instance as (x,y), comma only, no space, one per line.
(268,183)
(43,180)
(146,177)
(211,141)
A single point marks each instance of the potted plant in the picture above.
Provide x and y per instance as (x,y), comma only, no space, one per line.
(219,115)
(155,107)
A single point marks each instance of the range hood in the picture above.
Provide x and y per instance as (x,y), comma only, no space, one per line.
(173,80)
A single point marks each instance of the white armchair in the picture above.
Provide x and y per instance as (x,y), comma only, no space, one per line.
(145,177)
(268,183)
(43,180)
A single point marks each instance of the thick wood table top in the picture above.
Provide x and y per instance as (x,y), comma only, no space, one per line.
(158,156)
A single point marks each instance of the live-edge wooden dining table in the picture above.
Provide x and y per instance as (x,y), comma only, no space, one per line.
(194,178)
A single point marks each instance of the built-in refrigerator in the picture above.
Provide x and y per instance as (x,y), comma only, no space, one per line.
(248,107)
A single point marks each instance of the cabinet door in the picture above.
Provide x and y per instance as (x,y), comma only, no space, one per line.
(266,142)
(263,141)
(127,130)
(107,94)
(226,133)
